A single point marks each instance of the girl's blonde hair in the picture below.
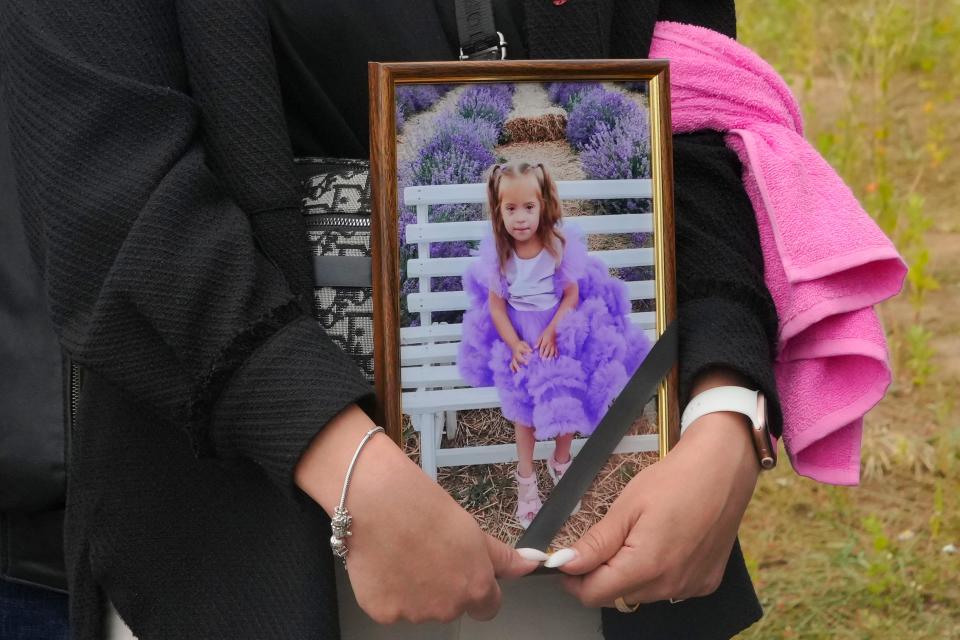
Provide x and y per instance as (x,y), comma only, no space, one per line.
(550,210)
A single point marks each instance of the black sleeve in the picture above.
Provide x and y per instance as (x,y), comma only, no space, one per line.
(631,30)
(727,316)
(155,177)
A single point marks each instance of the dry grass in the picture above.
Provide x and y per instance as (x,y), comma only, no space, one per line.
(488,491)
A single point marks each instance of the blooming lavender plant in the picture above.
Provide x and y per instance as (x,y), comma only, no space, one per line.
(618,152)
(595,107)
(618,147)
(459,152)
(567,94)
(637,273)
(451,124)
(487,101)
(419,97)
(411,99)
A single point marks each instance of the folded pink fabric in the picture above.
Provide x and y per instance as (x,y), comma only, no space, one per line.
(826,262)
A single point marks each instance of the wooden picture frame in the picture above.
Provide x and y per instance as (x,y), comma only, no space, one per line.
(411,349)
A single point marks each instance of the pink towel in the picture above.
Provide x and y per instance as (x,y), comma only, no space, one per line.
(826,262)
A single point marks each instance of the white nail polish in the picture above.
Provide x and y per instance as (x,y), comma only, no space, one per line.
(560,558)
(532,554)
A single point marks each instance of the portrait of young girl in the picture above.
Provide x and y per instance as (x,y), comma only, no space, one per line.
(528,294)
(548,325)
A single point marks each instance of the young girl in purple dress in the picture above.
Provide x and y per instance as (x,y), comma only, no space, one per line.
(547,325)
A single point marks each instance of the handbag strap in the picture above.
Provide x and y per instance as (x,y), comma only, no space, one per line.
(479,39)
(600,445)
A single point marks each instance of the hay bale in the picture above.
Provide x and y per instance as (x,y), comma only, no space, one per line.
(543,128)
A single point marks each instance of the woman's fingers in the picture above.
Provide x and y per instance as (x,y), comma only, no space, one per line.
(600,543)
(483,597)
(507,561)
(607,565)
(616,577)
(678,541)
(634,569)
(486,604)
(651,579)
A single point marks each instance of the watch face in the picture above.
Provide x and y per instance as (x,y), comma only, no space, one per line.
(765,444)
(761,412)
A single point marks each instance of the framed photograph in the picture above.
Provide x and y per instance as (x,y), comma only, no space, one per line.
(523,257)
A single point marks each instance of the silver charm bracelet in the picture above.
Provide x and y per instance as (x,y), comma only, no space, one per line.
(340,523)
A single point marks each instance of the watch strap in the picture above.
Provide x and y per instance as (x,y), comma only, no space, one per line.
(479,38)
(724,398)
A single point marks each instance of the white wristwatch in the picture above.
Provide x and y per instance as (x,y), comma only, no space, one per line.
(749,402)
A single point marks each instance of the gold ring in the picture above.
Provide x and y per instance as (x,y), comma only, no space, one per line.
(623,607)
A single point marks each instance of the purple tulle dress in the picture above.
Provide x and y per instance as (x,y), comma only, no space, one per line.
(598,347)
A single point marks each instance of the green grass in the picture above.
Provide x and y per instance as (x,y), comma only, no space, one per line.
(878,82)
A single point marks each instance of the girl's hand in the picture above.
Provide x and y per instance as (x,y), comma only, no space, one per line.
(415,554)
(547,342)
(670,532)
(520,351)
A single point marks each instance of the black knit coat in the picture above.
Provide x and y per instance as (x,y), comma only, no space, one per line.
(155,177)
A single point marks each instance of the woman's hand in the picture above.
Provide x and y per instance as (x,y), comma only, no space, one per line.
(670,532)
(520,351)
(415,554)
(547,342)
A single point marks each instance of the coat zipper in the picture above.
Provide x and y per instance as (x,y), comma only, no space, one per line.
(74,384)
(319,223)
(75,381)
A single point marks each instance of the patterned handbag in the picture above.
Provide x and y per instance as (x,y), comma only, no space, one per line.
(337,205)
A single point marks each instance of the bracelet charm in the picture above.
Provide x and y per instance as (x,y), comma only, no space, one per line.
(341,529)
(341,520)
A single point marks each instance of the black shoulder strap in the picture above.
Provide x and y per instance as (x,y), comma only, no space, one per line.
(601,443)
(479,39)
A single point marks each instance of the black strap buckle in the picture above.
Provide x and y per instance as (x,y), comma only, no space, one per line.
(479,38)
(494,51)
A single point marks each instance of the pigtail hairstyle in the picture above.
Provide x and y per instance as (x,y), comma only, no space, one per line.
(550,209)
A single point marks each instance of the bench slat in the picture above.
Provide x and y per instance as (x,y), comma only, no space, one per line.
(435,267)
(498,453)
(567,190)
(420,402)
(446,352)
(458,301)
(423,402)
(475,229)
(436,332)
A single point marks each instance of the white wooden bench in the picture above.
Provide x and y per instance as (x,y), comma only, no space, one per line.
(433,390)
